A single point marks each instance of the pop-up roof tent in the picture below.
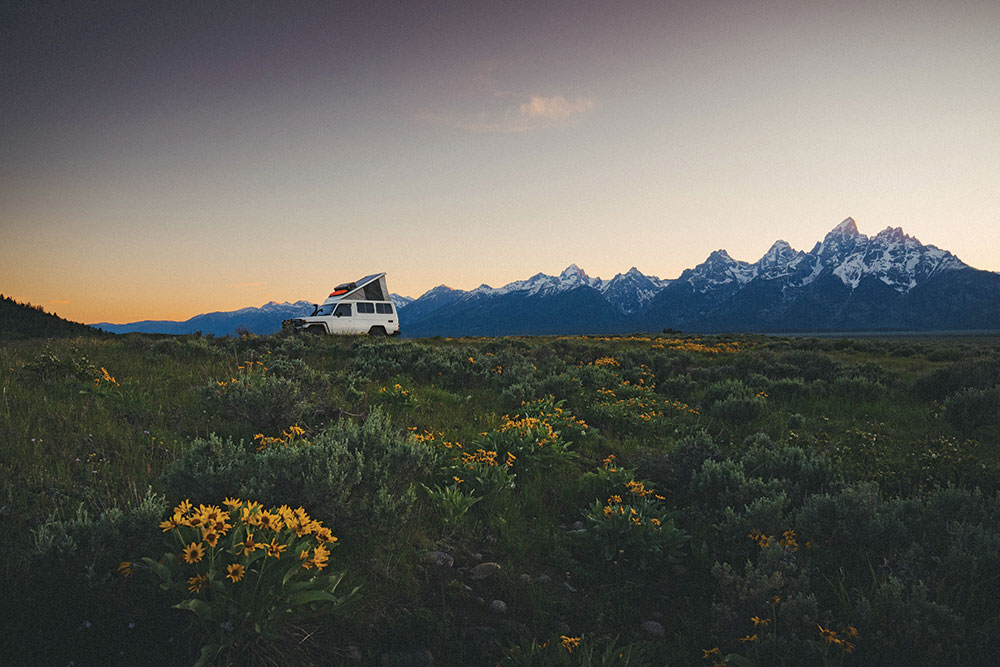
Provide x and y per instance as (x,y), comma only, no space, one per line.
(369,288)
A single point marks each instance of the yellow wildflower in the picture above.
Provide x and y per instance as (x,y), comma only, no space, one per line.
(211,536)
(569,643)
(274,549)
(321,556)
(235,572)
(194,552)
(197,583)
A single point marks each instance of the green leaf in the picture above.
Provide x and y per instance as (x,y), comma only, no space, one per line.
(199,608)
(208,651)
(311,596)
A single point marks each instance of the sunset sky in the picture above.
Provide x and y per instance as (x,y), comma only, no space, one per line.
(160,160)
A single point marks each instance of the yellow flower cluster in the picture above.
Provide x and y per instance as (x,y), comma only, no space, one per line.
(687,345)
(831,637)
(252,520)
(606,361)
(526,425)
(714,655)
(105,377)
(246,369)
(288,437)
(489,457)
(210,519)
(789,540)
(762,540)
(639,489)
(397,390)
(569,643)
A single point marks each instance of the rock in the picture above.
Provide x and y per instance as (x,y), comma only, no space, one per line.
(543,579)
(525,578)
(484,570)
(652,629)
(569,587)
(439,558)
(477,556)
(577,525)
(498,607)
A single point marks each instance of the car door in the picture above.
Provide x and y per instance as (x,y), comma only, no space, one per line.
(343,320)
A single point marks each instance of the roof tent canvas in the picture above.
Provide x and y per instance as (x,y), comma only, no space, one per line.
(369,288)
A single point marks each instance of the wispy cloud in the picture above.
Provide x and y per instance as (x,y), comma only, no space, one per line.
(516,115)
(59,302)
(484,103)
(555,109)
(242,285)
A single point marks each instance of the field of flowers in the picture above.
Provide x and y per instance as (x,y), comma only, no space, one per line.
(630,500)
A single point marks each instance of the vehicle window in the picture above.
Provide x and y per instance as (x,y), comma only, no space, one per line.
(343,310)
(325,309)
(384,308)
(366,307)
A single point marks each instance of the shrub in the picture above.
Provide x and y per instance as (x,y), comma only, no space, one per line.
(738,409)
(966,374)
(348,472)
(637,532)
(969,410)
(256,401)
(804,472)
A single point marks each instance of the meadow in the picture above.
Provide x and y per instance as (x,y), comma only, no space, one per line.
(629,500)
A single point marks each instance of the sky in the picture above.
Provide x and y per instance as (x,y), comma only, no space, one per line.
(161,160)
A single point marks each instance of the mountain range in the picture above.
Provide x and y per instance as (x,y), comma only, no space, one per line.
(848,281)
(264,320)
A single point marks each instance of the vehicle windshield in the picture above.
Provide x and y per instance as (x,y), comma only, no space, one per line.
(325,309)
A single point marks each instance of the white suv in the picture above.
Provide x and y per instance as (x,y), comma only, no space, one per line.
(352,308)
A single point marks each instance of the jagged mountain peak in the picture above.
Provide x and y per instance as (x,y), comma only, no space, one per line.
(440,289)
(847,227)
(893,234)
(574,271)
(778,250)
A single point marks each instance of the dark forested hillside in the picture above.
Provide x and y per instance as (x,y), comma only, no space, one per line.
(23,320)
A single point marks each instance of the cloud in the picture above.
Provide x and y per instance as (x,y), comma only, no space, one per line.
(256,284)
(60,302)
(515,116)
(555,109)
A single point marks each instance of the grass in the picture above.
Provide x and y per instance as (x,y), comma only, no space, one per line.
(77,439)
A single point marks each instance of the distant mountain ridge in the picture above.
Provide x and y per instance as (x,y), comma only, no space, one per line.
(263,320)
(848,281)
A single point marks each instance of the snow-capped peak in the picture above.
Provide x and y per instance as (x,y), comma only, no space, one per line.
(434,291)
(897,259)
(718,269)
(847,227)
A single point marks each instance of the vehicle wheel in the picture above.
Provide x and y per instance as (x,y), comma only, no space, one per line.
(377,332)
